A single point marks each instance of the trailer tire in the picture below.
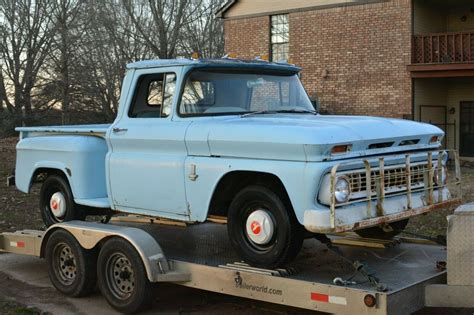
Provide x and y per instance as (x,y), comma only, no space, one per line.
(262,229)
(56,192)
(122,277)
(71,268)
(378,232)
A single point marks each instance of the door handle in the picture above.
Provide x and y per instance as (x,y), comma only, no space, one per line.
(119,130)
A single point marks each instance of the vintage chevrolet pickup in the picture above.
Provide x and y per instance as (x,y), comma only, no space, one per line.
(241,139)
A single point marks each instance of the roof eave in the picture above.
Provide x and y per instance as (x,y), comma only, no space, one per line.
(222,10)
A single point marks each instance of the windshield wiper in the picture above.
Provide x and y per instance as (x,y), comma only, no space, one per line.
(282,111)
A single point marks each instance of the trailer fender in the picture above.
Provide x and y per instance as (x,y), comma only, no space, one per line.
(90,234)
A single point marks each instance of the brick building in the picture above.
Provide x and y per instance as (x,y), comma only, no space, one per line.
(410,59)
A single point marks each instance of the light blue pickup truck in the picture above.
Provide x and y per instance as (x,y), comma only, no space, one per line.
(240,139)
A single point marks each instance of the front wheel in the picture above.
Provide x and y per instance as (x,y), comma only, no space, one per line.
(57,202)
(380,233)
(262,229)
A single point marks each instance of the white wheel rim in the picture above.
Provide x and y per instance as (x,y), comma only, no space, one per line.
(57,204)
(260,227)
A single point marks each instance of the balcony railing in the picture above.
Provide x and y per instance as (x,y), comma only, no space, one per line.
(443,48)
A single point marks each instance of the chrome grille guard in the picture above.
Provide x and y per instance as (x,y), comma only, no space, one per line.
(380,179)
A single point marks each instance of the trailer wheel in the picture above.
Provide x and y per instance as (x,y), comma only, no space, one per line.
(57,202)
(122,277)
(378,232)
(263,231)
(70,267)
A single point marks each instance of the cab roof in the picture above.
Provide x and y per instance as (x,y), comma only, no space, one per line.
(215,63)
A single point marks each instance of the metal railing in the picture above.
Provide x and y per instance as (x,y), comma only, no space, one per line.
(380,180)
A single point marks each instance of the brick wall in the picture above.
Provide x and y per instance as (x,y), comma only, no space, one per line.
(248,38)
(362,49)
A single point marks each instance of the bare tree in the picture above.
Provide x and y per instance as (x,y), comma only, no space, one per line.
(26,30)
(65,42)
(205,33)
(110,42)
(161,23)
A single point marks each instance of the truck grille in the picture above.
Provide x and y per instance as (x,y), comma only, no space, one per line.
(393,178)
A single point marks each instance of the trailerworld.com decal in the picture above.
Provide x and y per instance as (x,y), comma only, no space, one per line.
(240,284)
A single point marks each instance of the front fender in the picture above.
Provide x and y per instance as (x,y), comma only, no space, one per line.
(300,180)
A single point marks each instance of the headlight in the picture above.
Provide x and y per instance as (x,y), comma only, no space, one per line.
(443,175)
(342,189)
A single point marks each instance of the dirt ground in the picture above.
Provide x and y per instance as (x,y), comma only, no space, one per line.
(17,210)
(20,211)
(10,307)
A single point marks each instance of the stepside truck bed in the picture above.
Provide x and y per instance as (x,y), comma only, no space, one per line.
(204,253)
(78,152)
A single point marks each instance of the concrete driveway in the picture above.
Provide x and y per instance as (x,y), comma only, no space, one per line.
(25,279)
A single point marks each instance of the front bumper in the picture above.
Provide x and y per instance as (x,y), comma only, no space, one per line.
(377,207)
(318,221)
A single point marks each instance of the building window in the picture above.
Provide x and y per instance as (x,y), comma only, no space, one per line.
(280,37)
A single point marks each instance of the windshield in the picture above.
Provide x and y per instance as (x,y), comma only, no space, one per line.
(219,93)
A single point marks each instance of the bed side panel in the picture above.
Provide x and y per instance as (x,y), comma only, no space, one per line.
(80,158)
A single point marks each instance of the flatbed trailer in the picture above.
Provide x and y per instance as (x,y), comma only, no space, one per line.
(201,257)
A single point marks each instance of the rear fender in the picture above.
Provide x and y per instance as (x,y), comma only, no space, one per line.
(80,158)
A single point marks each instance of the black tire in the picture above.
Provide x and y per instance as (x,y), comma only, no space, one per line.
(71,268)
(378,232)
(122,277)
(288,235)
(57,184)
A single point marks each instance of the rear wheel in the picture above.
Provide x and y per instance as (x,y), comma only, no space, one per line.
(70,267)
(122,277)
(57,202)
(379,232)
(262,229)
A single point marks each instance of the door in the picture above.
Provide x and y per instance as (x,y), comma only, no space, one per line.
(146,163)
(435,115)
(466,140)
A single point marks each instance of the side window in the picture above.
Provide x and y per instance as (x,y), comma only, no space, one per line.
(153,96)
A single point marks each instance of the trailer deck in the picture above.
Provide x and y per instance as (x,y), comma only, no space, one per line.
(308,283)
(204,253)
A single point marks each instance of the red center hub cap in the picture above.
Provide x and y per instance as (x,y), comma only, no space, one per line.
(260,227)
(256,228)
(57,205)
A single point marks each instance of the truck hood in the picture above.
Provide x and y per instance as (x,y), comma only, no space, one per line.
(305,137)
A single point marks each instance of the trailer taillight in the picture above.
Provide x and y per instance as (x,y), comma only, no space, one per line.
(18,244)
(370,300)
